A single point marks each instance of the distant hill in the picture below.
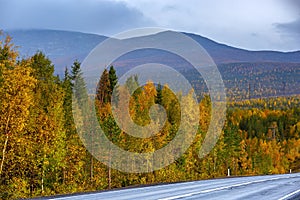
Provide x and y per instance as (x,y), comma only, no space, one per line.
(246,74)
(63,47)
(222,53)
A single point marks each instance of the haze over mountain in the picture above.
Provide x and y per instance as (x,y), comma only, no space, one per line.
(246,74)
(63,47)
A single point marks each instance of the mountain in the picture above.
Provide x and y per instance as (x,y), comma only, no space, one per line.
(222,53)
(63,47)
(246,74)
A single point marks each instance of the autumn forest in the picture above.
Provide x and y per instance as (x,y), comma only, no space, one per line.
(42,153)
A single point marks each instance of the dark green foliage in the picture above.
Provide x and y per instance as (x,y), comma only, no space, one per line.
(43,68)
(113,79)
(68,89)
(78,85)
(132,83)
(75,70)
(159,95)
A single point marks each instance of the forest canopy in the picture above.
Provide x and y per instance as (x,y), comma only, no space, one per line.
(42,154)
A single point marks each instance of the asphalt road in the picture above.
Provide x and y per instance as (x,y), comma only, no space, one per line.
(279,187)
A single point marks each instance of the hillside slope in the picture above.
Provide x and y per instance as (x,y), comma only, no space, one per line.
(63,47)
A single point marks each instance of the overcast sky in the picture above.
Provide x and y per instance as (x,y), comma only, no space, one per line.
(249,24)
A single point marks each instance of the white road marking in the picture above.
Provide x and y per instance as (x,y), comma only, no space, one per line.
(289,195)
(227,187)
(161,189)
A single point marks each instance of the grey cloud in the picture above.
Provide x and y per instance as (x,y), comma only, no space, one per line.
(290,32)
(295,3)
(291,28)
(104,17)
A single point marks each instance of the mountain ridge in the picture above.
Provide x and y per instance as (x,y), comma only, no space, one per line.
(245,73)
(63,47)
